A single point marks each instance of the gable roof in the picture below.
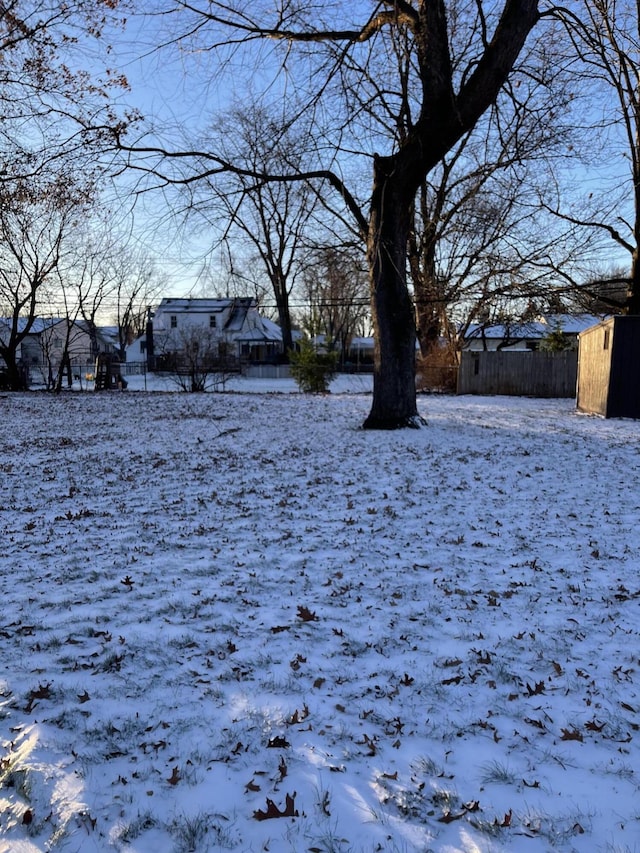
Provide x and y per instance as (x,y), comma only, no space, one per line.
(188,305)
(517,331)
(571,324)
(38,326)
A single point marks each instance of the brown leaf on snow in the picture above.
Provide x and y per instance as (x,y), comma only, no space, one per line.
(272,810)
(282,769)
(449,817)
(43,691)
(251,786)
(175,777)
(83,697)
(571,734)
(298,716)
(307,615)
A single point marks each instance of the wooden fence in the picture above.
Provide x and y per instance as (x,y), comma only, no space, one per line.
(523,374)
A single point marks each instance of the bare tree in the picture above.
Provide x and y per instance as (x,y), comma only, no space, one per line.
(438,108)
(479,225)
(194,357)
(271,217)
(137,286)
(47,100)
(49,156)
(606,41)
(335,289)
(35,220)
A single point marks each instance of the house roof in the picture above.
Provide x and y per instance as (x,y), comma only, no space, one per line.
(362,343)
(571,324)
(266,330)
(238,314)
(107,334)
(39,325)
(203,306)
(517,331)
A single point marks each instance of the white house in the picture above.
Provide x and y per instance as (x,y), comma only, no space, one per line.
(53,340)
(229,329)
(526,336)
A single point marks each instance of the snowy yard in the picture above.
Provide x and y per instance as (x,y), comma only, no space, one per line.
(237,622)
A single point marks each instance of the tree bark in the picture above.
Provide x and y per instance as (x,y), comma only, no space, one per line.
(444,118)
(15,376)
(424,275)
(394,392)
(284,315)
(633,293)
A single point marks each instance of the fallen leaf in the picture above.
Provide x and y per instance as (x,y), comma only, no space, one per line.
(571,734)
(306,615)
(449,817)
(272,810)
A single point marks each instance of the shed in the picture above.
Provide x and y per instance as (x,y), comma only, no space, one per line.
(609,368)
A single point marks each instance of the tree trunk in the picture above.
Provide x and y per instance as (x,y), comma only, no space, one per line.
(633,293)
(394,387)
(424,275)
(444,118)
(284,315)
(15,374)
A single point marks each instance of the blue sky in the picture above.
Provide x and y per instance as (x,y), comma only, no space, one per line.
(179,91)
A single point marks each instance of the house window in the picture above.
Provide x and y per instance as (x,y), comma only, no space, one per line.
(605,344)
(174,321)
(213,321)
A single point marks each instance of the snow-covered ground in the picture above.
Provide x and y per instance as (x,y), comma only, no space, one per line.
(238,622)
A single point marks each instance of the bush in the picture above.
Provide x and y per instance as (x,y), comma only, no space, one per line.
(556,341)
(313,370)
